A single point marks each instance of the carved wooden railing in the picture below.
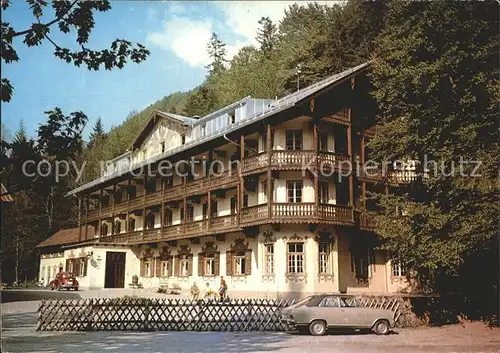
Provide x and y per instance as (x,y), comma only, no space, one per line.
(294,211)
(367,220)
(255,213)
(255,162)
(337,213)
(292,159)
(333,160)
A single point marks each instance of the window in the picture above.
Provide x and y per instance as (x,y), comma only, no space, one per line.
(150,220)
(213,209)
(398,270)
(245,200)
(264,187)
(132,193)
(71,266)
(162,147)
(131,224)
(181,214)
(233,205)
(54,271)
(324,257)
(361,257)
(168,217)
(323,192)
(203,130)
(169,182)
(323,142)
(239,263)
(232,118)
(329,302)
(118,227)
(104,229)
(151,186)
(294,140)
(82,268)
(190,213)
(183,265)
(183,139)
(205,210)
(294,190)
(164,268)
(269,259)
(295,258)
(209,261)
(147,267)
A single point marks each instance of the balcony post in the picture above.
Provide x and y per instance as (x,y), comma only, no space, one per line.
(349,152)
(80,218)
(162,216)
(269,175)
(144,219)
(316,171)
(185,215)
(209,208)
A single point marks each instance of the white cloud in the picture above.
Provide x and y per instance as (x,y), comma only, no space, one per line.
(188,38)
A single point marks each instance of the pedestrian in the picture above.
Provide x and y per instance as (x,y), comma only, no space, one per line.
(195,291)
(222,289)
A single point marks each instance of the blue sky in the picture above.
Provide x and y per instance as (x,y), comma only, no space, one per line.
(175,32)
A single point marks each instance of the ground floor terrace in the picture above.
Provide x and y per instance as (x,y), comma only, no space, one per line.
(288,260)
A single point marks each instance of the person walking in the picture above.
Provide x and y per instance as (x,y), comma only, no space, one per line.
(222,289)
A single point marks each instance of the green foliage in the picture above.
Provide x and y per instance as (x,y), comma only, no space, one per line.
(216,49)
(77,16)
(436,84)
(267,35)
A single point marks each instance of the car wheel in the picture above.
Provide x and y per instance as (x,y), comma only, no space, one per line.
(317,328)
(76,289)
(381,327)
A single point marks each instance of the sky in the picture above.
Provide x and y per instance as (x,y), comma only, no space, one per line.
(176,33)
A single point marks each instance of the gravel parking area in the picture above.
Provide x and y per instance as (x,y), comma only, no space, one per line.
(19,335)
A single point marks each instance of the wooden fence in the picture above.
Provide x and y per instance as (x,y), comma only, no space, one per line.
(143,314)
(162,314)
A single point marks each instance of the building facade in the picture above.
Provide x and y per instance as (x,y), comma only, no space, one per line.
(270,194)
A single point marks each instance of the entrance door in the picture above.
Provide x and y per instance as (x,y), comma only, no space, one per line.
(115,270)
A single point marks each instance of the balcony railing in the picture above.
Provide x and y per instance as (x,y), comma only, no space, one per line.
(367,220)
(297,213)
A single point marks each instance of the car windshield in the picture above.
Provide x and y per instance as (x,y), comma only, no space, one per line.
(303,301)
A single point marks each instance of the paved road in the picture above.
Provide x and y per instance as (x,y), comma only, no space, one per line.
(19,319)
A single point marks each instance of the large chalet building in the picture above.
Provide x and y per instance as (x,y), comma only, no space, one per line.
(257,192)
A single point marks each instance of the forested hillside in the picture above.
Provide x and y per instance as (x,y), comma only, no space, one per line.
(319,40)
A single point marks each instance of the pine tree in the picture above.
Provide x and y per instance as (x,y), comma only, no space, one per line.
(267,35)
(97,131)
(216,49)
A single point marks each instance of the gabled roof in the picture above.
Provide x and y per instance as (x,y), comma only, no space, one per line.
(151,122)
(66,236)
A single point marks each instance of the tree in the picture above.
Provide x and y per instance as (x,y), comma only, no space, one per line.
(97,130)
(267,35)
(216,49)
(436,85)
(201,102)
(74,15)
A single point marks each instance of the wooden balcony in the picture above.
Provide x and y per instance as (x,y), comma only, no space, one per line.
(304,212)
(215,225)
(367,220)
(339,117)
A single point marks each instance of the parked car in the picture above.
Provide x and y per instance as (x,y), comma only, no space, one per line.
(64,280)
(317,313)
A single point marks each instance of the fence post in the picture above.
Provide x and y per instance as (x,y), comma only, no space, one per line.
(146,315)
(91,316)
(39,323)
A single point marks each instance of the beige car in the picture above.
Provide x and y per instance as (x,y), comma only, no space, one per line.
(317,313)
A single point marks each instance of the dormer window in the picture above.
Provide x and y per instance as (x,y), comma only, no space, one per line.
(203,130)
(232,118)
(162,147)
(183,139)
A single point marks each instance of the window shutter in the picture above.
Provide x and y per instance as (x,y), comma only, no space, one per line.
(248,262)
(217,263)
(201,271)
(158,267)
(67,265)
(229,263)
(76,267)
(143,268)
(190,265)
(170,265)
(85,265)
(177,263)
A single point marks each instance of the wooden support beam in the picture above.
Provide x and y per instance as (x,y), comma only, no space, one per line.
(242,149)
(349,152)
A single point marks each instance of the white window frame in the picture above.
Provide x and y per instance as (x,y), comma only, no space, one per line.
(70,266)
(294,139)
(164,268)
(323,192)
(269,259)
(83,261)
(209,265)
(239,263)
(295,187)
(147,267)
(183,266)
(324,251)
(295,259)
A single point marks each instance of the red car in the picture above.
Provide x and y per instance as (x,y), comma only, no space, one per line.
(64,280)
